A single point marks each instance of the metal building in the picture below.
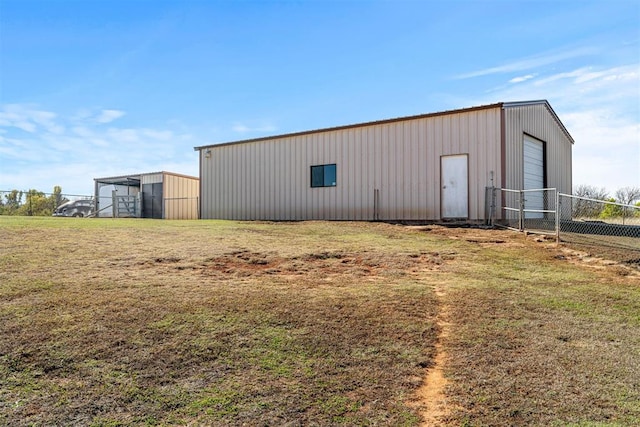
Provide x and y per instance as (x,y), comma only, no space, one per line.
(161,195)
(426,167)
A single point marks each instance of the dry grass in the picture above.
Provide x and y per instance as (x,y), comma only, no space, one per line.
(142,322)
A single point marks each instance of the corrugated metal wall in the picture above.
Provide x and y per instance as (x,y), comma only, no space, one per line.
(536,120)
(270,179)
(181,196)
(151,178)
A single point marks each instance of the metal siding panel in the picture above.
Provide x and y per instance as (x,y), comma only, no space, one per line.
(247,181)
(473,141)
(422,169)
(329,196)
(273,183)
(389,141)
(226,208)
(433,171)
(537,121)
(206,186)
(356,213)
(235,179)
(290,169)
(151,178)
(366,189)
(286,183)
(315,146)
(396,176)
(371,149)
(408,171)
(279,191)
(301,182)
(272,193)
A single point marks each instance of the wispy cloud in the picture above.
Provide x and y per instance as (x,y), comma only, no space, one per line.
(529,63)
(28,118)
(242,128)
(522,78)
(41,149)
(107,116)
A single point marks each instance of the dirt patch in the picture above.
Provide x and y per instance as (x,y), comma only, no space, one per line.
(432,394)
(326,264)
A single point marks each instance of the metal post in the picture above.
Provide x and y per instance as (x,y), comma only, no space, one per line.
(558,213)
(521,219)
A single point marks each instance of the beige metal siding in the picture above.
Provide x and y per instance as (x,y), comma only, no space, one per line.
(537,121)
(180,196)
(270,179)
(151,178)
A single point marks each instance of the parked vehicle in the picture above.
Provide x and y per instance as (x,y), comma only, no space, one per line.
(75,208)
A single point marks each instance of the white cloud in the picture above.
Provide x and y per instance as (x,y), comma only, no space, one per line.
(529,63)
(107,116)
(71,151)
(522,78)
(242,128)
(27,118)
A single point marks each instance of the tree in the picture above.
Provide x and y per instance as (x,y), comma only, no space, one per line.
(588,208)
(32,202)
(37,204)
(628,195)
(13,201)
(611,210)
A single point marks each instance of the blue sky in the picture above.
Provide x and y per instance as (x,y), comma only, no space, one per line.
(101,88)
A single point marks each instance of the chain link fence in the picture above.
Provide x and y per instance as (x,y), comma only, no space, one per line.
(531,210)
(606,229)
(37,203)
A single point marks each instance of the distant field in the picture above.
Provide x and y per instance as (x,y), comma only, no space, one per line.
(146,322)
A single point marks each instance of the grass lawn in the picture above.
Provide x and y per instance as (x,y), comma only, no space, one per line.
(144,322)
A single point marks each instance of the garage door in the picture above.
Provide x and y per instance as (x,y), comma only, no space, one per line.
(533,151)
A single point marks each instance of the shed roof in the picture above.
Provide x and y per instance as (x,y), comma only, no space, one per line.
(134,179)
(398,119)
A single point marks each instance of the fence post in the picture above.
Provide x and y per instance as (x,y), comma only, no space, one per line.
(558,213)
(521,213)
(114,204)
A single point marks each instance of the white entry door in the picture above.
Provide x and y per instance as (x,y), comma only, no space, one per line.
(454,181)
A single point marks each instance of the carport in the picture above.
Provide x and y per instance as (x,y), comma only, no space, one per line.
(159,195)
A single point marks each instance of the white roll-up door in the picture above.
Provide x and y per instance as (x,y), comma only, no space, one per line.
(533,152)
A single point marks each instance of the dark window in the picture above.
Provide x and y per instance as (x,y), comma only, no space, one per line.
(323,176)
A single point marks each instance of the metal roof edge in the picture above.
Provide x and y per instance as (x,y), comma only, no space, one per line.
(139,175)
(181,175)
(549,108)
(351,126)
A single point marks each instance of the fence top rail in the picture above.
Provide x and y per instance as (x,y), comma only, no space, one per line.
(538,189)
(509,190)
(598,201)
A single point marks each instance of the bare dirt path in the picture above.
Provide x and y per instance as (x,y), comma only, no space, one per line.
(432,392)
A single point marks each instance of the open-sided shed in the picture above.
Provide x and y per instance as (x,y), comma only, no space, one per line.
(427,167)
(161,195)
